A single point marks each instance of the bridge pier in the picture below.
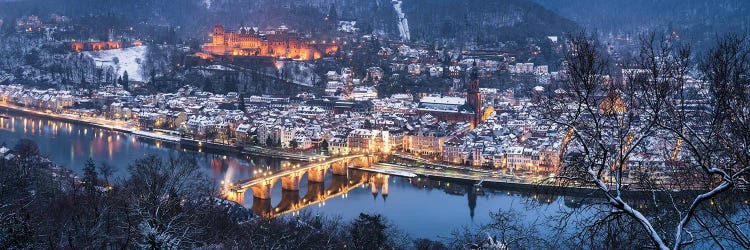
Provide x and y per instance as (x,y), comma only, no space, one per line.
(263,190)
(339,168)
(291,181)
(236,196)
(262,185)
(317,174)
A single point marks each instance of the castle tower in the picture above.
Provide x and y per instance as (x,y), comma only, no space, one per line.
(218,35)
(473,97)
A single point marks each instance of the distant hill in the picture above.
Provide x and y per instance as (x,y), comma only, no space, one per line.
(478,21)
(483,21)
(696,20)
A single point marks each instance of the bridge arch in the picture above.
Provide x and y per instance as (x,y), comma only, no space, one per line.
(263,190)
(291,181)
(262,185)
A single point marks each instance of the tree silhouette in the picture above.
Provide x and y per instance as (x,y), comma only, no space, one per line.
(26,149)
(242,105)
(125,81)
(90,176)
(207,86)
(610,123)
(369,232)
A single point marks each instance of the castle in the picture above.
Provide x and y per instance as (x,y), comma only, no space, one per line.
(248,41)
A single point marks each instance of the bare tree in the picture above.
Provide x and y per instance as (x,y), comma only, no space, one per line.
(652,129)
(157,195)
(506,230)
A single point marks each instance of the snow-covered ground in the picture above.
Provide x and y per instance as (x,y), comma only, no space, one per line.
(348,26)
(301,73)
(128,59)
(403,24)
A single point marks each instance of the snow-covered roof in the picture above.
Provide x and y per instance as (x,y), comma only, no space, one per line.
(444,100)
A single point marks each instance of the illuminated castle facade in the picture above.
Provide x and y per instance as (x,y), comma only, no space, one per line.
(94,46)
(249,41)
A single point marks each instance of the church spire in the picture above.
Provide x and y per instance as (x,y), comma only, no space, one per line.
(472,95)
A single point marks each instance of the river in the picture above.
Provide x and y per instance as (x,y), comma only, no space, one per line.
(420,207)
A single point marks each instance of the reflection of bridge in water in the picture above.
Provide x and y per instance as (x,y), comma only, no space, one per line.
(342,181)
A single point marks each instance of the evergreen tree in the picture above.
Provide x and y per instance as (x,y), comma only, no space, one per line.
(369,232)
(26,150)
(269,141)
(333,14)
(294,144)
(242,105)
(324,145)
(90,176)
(152,77)
(125,81)
(207,86)
(88,87)
(230,84)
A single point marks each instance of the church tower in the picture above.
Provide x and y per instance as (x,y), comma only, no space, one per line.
(473,97)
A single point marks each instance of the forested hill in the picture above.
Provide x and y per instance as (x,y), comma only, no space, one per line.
(483,21)
(429,20)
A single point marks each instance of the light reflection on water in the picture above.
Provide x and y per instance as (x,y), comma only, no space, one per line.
(420,207)
(71,145)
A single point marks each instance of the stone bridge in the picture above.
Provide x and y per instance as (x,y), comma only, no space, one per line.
(262,184)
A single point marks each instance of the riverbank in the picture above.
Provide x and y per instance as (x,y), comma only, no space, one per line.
(93,122)
(437,171)
(479,180)
(485,178)
(192,144)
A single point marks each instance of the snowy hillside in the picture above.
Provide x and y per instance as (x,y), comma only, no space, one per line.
(403,24)
(121,60)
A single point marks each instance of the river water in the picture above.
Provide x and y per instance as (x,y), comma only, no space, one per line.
(420,207)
